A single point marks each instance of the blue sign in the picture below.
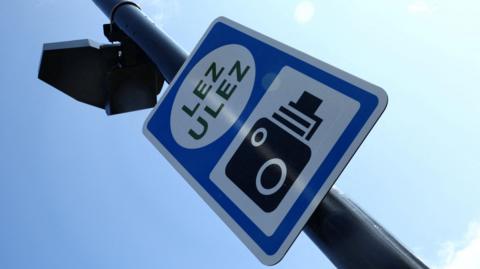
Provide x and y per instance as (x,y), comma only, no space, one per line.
(261,131)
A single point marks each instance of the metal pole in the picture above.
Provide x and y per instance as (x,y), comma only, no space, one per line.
(159,47)
(346,234)
(350,238)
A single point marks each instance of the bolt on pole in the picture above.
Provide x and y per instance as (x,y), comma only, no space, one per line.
(347,235)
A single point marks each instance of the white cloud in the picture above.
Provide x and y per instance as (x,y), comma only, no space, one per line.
(465,254)
(304,12)
(419,7)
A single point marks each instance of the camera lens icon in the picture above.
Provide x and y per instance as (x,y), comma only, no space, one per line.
(276,163)
(259,137)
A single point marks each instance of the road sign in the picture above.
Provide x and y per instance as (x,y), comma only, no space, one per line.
(261,131)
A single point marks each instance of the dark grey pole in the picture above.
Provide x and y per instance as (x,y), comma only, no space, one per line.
(350,238)
(159,47)
(346,234)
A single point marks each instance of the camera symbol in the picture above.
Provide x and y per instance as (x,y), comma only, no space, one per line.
(275,152)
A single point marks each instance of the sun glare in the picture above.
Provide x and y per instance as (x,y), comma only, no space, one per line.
(304,12)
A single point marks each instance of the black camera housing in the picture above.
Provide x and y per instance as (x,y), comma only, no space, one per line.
(267,154)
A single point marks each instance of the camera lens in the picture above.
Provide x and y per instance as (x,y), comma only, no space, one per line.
(271,171)
(259,137)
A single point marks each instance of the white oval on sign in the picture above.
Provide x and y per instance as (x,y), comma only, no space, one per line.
(212,96)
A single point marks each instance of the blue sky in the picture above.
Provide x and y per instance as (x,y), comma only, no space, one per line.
(79,189)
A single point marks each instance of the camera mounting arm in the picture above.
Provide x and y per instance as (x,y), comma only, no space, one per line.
(167,56)
(120,77)
(117,77)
